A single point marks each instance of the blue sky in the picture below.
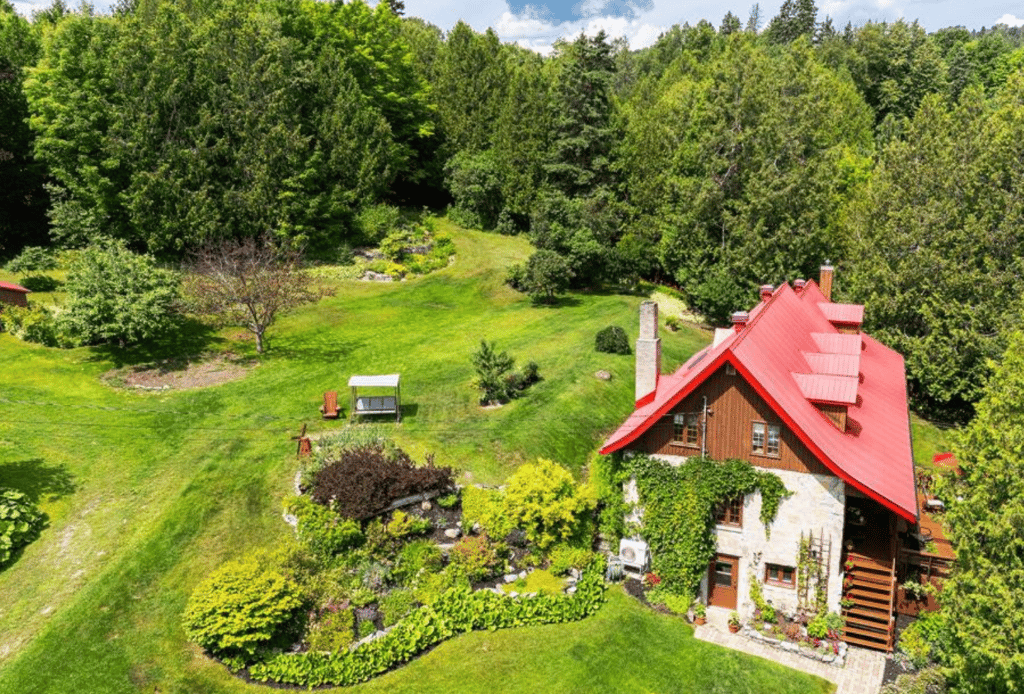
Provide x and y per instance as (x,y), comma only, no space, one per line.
(538,23)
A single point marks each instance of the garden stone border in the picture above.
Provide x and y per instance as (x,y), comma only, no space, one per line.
(831,658)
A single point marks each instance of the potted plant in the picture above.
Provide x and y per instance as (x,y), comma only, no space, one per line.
(734,622)
(700,614)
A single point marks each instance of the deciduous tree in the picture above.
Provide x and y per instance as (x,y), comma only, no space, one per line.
(248,282)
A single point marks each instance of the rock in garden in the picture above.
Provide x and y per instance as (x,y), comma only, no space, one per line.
(603,375)
(571,590)
(426,506)
(511,578)
(575,574)
(452,533)
(522,574)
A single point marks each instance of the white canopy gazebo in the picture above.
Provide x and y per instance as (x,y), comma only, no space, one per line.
(376,404)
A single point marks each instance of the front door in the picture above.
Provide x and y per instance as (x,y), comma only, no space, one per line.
(723,581)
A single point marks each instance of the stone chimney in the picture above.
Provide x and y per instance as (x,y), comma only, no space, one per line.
(648,351)
(766,292)
(825,283)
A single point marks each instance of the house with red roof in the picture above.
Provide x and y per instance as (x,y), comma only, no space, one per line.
(13,294)
(794,387)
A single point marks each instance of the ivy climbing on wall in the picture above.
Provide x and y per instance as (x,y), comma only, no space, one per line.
(679,504)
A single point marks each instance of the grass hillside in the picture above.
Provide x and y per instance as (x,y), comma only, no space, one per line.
(148,491)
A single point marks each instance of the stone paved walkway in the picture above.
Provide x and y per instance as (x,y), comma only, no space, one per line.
(862,674)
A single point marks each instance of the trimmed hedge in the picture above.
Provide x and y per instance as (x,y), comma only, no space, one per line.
(457,611)
(612,340)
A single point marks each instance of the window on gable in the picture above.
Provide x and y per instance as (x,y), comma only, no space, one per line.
(765,439)
(730,512)
(778,575)
(686,428)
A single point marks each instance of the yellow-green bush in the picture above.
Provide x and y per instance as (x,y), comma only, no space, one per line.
(544,500)
(238,608)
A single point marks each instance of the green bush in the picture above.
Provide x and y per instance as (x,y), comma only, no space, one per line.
(612,340)
(374,222)
(331,630)
(539,581)
(366,628)
(676,603)
(429,587)
(927,681)
(416,556)
(20,523)
(564,557)
(474,557)
(239,608)
(456,611)
(486,507)
(402,525)
(32,259)
(544,500)
(922,640)
(396,604)
(33,324)
(322,530)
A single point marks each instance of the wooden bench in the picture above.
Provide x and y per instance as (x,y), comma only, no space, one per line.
(330,409)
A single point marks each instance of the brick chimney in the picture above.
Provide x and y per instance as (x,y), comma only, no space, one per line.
(825,283)
(648,351)
(766,292)
(799,284)
(739,320)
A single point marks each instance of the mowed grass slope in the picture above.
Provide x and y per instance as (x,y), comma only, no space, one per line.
(147,492)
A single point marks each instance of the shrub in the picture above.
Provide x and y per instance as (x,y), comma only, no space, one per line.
(927,681)
(416,556)
(544,500)
(547,274)
(322,529)
(374,222)
(39,283)
(431,586)
(20,523)
(564,557)
(33,324)
(365,480)
(402,525)
(454,612)
(396,605)
(117,296)
(239,608)
(32,259)
(515,277)
(674,602)
(538,581)
(331,629)
(495,377)
(486,507)
(448,500)
(474,557)
(612,340)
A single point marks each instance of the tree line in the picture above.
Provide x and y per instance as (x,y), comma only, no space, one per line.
(715,160)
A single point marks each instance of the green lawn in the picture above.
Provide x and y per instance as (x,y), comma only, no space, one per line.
(147,492)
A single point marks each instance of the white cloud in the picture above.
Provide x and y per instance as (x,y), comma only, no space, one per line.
(530,30)
(1009,20)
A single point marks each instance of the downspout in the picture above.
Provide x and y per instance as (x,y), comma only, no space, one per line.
(704,430)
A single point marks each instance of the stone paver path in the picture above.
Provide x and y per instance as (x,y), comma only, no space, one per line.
(862,674)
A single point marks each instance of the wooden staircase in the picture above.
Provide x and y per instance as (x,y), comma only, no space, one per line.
(871,585)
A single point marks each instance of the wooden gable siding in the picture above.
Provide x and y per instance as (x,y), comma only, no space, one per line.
(837,413)
(13,298)
(735,406)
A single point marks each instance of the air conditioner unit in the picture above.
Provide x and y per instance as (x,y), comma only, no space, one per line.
(635,554)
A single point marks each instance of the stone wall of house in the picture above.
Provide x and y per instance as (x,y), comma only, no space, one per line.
(816,505)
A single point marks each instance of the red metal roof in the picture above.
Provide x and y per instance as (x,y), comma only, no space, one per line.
(873,455)
(846,314)
(14,287)
(835,364)
(839,390)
